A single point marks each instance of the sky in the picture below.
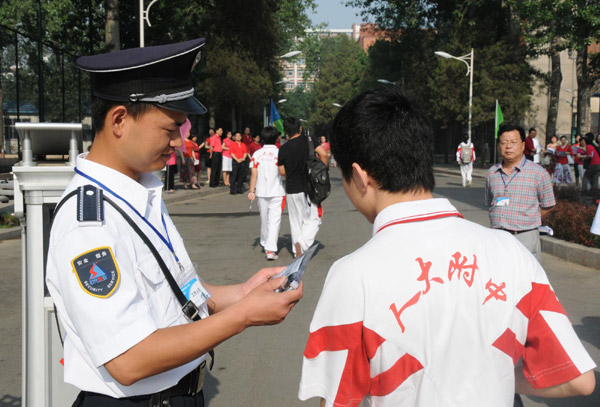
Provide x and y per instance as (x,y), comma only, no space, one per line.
(335,14)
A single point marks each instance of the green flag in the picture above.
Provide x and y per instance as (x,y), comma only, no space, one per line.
(499,117)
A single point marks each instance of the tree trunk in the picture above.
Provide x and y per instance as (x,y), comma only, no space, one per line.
(584,87)
(555,81)
(112,33)
(233,119)
(211,117)
(2,141)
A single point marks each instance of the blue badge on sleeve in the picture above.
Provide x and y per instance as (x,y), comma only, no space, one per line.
(97,272)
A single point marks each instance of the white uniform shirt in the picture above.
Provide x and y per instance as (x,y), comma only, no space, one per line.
(100,328)
(268,183)
(435,310)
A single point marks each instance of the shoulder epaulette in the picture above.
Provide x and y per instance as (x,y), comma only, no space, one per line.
(90,205)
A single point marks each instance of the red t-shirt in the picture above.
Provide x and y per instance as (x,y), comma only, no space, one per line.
(246,139)
(215,142)
(189,147)
(563,159)
(227,142)
(253,147)
(591,151)
(238,150)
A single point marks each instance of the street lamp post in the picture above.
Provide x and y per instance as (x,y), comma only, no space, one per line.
(464,58)
(144,17)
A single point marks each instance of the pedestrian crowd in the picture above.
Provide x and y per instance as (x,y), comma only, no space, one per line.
(433,310)
(281,180)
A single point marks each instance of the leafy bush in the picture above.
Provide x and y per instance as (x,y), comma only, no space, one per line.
(571,221)
(7,220)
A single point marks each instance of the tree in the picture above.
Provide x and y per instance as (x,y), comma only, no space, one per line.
(342,69)
(111,30)
(418,28)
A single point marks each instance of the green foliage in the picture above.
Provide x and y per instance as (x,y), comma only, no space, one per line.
(7,220)
(342,68)
(299,104)
(571,221)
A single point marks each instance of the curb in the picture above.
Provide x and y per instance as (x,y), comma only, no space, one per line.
(571,252)
(449,171)
(10,233)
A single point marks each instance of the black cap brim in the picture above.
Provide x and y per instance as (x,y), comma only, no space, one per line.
(190,105)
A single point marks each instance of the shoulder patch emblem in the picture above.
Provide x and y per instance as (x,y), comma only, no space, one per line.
(97,272)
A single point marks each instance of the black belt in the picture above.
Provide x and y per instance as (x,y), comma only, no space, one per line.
(516,232)
(189,385)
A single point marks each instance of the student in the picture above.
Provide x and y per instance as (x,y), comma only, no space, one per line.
(305,216)
(433,310)
(239,151)
(266,185)
(128,341)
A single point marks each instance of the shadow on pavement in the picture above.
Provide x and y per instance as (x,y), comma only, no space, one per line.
(10,401)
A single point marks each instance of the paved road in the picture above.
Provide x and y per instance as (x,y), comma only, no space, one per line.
(261,367)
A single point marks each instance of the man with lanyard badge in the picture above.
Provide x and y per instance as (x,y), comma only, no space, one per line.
(518,192)
(117,270)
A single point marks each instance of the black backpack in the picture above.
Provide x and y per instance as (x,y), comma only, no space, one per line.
(319,185)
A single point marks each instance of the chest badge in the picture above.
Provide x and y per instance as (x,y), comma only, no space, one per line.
(97,272)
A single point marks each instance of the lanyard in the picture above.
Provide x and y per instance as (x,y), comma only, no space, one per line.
(166,241)
(506,184)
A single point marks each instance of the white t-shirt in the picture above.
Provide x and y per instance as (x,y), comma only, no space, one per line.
(269,182)
(596,223)
(108,289)
(435,310)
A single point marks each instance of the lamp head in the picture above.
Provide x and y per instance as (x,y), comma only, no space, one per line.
(443,54)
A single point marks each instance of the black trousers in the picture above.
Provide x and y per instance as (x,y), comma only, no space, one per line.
(215,172)
(170,177)
(236,180)
(88,399)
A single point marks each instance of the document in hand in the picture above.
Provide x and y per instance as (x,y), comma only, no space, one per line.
(295,271)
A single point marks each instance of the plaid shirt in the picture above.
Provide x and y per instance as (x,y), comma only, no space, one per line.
(528,188)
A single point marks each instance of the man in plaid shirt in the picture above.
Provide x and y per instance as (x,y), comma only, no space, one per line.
(518,192)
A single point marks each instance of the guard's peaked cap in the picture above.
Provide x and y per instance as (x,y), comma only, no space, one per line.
(160,75)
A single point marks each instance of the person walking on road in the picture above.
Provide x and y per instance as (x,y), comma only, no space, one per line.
(465,156)
(139,321)
(266,185)
(518,192)
(305,216)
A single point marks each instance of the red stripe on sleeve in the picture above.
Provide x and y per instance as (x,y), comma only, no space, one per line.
(545,361)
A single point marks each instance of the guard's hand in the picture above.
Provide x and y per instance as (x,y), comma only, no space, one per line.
(262,306)
(261,277)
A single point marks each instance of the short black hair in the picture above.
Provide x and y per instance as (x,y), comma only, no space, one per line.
(511,127)
(100,108)
(384,131)
(563,137)
(291,126)
(269,135)
(531,129)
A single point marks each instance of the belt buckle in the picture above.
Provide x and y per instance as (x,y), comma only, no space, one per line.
(190,310)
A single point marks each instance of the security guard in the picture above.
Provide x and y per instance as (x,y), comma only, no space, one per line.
(138,320)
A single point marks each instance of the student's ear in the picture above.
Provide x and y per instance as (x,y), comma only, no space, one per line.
(117,118)
(360,178)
